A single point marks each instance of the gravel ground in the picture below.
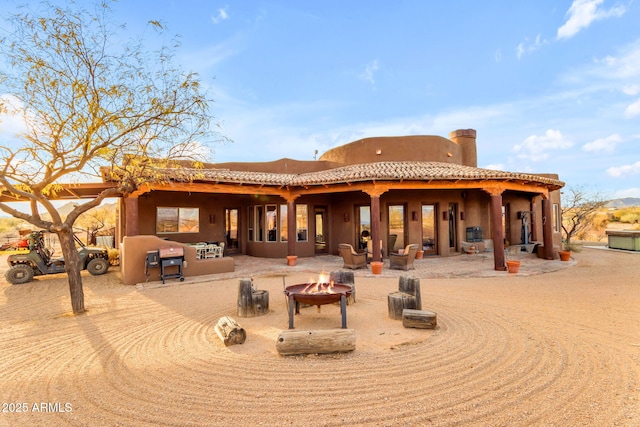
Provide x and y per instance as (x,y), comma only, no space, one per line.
(553,349)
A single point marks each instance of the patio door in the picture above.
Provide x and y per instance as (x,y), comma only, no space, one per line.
(231,230)
(453,226)
(397,236)
(429,241)
(322,229)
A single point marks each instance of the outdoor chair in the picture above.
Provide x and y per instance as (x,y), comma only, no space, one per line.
(469,249)
(351,258)
(370,249)
(404,261)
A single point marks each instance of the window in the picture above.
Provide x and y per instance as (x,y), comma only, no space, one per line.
(177,220)
(272,223)
(259,223)
(284,229)
(250,222)
(556,217)
(302,223)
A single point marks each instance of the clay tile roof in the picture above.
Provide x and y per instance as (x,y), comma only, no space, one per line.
(380,171)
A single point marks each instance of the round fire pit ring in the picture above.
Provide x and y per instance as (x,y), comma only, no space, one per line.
(317,294)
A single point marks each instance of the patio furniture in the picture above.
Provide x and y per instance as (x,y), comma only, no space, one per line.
(404,261)
(370,249)
(214,251)
(351,258)
(470,249)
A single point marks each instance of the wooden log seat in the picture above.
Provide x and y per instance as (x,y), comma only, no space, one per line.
(251,302)
(292,342)
(420,319)
(345,278)
(229,331)
(407,296)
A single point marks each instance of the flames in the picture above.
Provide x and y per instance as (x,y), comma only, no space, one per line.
(322,286)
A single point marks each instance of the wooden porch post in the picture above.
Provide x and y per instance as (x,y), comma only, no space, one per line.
(131,216)
(375,222)
(496,230)
(291,227)
(547,229)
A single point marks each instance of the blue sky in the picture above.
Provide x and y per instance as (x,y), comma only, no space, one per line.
(550,86)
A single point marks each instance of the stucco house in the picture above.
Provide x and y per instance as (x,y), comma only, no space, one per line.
(390,191)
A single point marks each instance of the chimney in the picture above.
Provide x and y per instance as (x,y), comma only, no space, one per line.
(466,139)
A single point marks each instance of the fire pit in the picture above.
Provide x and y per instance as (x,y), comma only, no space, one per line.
(317,294)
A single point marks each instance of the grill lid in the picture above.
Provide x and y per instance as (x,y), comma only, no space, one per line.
(171,252)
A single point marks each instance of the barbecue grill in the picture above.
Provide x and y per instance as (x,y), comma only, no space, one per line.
(171,257)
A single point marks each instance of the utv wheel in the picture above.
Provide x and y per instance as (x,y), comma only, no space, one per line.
(97,266)
(19,274)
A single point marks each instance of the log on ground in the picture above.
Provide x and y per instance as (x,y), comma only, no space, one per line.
(420,319)
(316,341)
(229,331)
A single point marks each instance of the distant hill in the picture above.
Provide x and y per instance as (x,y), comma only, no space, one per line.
(625,202)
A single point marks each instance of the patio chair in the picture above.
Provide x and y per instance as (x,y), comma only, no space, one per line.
(351,258)
(405,260)
(470,249)
(370,250)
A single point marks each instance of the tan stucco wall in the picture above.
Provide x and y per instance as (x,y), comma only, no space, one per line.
(402,148)
(133,253)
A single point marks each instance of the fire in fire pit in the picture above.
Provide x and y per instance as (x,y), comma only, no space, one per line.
(318,293)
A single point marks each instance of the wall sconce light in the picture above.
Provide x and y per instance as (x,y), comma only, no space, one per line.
(346,217)
(212,219)
(449,154)
(462,216)
(445,216)
(378,151)
(414,215)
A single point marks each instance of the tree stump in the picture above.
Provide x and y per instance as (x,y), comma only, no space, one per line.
(398,301)
(420,319)
(407,296)
(251,303)
(346,278)
(260,302)
(229,331)
(316,342)
(411,286)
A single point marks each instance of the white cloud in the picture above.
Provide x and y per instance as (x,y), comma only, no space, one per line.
(527,47)
(11,116)
(582,13)
(627,192)
(631,89)
(536,148)
(632,110)
(607,144)
(221,16)
(498,55)
(495,167)
(624,170)
(369,71)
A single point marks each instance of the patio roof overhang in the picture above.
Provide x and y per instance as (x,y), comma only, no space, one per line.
(368,177)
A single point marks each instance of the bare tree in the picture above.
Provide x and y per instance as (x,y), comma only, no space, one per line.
(579,209)
(93,103)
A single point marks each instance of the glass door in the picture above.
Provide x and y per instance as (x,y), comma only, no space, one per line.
(429,229)
(453,230)
(363,229)
(231,237)
(396,238)
(321,229)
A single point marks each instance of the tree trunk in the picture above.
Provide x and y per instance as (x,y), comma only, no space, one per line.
(316,342)
(72,265)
